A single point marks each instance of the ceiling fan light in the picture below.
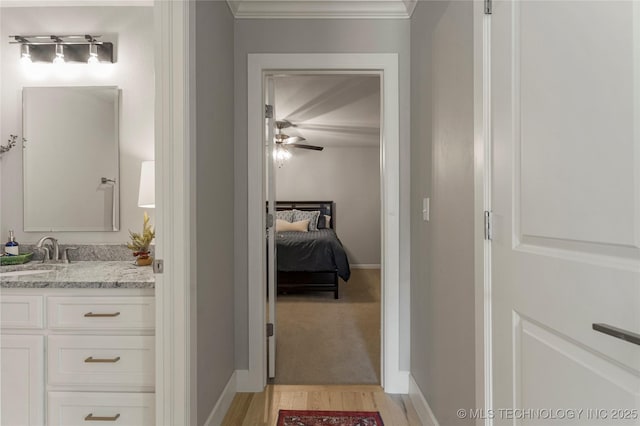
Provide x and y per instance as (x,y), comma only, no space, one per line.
(281,155)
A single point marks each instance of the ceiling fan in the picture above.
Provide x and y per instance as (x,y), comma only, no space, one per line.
(286,141)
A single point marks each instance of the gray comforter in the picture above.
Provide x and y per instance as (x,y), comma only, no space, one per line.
(312,251)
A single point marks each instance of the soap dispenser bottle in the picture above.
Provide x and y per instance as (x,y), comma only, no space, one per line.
(12,248)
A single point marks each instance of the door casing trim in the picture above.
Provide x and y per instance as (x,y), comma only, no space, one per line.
(394,380)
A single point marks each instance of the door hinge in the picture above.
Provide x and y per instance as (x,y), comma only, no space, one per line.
(158,266)
(269,220)
(268,111)
(269,329)
(488,7)
(488,226)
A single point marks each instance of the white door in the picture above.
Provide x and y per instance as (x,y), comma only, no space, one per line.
(270,189)
(565,105)
(22,380)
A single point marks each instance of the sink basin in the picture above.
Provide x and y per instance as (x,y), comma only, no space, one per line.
(20,273)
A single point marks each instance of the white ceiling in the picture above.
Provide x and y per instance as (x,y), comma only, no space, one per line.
(322,9)
(330,110)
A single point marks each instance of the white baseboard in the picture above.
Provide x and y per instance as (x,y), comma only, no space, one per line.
(245,382)
(365,266)
(223,404)
(396,381)
(427,418)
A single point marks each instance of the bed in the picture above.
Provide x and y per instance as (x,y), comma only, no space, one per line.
(314,260)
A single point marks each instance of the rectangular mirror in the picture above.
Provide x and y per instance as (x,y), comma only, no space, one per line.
(71,158)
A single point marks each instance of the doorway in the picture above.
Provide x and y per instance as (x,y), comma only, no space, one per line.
(326,315)
(394,380)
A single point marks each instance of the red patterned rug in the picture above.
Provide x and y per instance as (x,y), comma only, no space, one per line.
(330,418)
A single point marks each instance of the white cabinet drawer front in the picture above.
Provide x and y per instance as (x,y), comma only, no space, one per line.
(97,408)
(101,360)
(101,313)
(18,311)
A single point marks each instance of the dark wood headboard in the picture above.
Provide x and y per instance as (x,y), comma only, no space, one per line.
(325,207)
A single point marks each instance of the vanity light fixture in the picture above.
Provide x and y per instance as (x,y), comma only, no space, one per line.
(60,49)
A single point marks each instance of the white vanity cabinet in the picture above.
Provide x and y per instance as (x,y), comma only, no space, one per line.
(76,356)
(22,380)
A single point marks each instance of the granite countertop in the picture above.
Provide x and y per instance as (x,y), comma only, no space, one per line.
(87,274)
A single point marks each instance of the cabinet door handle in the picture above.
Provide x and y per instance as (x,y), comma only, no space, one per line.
(92,315)
(92,418)
(105,360)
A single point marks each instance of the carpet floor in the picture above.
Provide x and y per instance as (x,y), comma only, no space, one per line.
(321,340)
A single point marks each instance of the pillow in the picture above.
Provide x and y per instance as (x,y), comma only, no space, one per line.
(283,225)
(312,216)
(324,221)
(285,215)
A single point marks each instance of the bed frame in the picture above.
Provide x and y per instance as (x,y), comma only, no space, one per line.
(301,281)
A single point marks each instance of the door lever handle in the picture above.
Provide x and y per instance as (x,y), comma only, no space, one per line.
(627,336)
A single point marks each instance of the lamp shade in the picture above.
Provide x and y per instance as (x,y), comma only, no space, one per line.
(147,193)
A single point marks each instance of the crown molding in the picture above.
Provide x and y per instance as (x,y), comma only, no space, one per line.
(322,9)
(410,5)
(73,3)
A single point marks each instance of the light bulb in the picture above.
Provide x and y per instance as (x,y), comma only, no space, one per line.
(25,59)
(281,154)
(59,59)
(93,54)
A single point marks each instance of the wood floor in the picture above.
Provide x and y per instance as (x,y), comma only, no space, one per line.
(261,409)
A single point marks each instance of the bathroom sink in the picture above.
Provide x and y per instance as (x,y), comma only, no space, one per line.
(21,273)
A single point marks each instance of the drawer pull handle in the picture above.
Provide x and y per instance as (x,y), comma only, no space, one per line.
(92,315)
(92,359)
(92,418)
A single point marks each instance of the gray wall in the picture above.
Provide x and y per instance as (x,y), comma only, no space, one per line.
(314,36)
(214,202)
(442,274)
(131,28)
(350,176)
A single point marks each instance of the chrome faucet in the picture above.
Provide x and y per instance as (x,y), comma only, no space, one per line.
(47,253)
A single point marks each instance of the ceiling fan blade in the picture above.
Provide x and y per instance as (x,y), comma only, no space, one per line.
(313,147)
(293,139)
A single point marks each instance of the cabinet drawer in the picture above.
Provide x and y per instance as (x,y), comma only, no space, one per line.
(17,311)
(101,313)
(96,361)
(86,408)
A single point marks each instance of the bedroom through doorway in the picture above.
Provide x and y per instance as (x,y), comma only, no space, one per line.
(325,161)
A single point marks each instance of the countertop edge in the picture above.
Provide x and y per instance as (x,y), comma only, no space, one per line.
(36,285)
